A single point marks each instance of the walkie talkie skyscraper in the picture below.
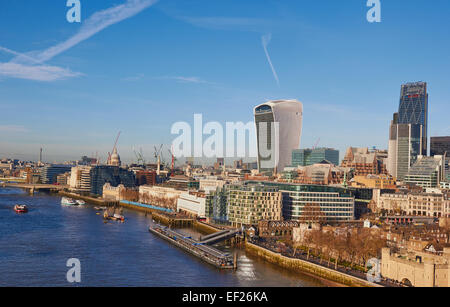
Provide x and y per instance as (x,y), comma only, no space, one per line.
(278,128)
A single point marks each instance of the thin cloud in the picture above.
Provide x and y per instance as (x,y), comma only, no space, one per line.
(94,24)
(36,73)
(26,63)
(13,129)
(265,42)
(228,23)
(186,79)
(134,78)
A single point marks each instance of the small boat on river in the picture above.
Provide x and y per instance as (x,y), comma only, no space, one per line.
(21,208)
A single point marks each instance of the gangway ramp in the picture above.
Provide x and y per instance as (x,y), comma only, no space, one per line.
(222,236)
(202,238)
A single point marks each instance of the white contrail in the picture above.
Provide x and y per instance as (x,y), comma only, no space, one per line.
(17,54)
(265,42)
(94,24)
(29,65)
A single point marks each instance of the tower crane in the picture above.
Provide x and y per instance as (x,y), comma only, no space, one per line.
(115,145)
(158,158)
(173,162)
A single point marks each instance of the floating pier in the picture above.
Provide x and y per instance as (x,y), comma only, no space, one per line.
(209,254)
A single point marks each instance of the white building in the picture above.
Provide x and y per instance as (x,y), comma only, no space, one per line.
(211,183)
(159,192)
(275,154)
(80,179)
(192,204)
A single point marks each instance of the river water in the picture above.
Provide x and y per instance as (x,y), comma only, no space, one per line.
(34,249)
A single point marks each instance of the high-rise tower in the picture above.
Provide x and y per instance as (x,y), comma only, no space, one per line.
(405,145)
(278,129)
(413,109)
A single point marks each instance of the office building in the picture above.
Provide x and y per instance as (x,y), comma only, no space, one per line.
(49,173)
(427,172)
(332,204)
(80,179)
(440,145)
(249,204)
(146,177)
(405,145)
(113,175)
(413,109)
(278,129)
(216,205)
(306,157)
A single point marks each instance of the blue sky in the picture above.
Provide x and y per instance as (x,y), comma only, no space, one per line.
(172,58)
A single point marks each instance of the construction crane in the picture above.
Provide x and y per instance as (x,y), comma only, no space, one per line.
(173,162)
(115,145)
(139,156)
(158,158)
(317,143)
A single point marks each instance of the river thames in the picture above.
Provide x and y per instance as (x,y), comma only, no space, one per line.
(34,249)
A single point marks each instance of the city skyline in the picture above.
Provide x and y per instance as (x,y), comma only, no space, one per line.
(180,60)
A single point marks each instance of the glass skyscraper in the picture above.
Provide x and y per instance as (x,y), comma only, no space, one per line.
(413,109)
(114,175)
(306,157)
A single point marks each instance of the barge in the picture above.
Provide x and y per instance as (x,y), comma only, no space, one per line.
(206,253)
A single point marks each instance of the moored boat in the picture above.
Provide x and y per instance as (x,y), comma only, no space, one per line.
(111,214)
(68,201)
(21,208)
(80,202)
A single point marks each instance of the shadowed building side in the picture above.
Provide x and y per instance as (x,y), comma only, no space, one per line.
(289,116)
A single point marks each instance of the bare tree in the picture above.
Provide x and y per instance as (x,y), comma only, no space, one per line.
(311,213)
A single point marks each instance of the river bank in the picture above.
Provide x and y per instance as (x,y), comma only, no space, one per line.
(299,265)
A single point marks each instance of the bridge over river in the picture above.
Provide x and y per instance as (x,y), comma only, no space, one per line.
(33,187)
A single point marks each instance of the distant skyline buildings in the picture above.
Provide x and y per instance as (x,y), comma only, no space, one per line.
(278,132)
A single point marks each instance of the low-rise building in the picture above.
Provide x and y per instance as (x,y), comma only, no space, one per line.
(418,269)
(159,195)
(374,182)
(193,204)
(112,193)
(277,229)
(365,162)
(211,183)
(415,203)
